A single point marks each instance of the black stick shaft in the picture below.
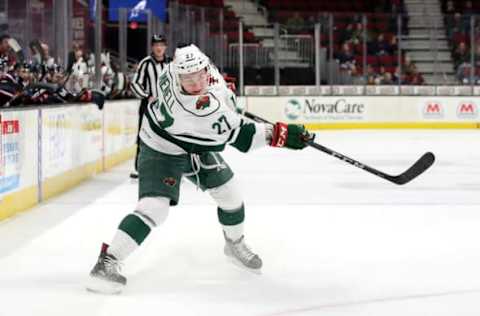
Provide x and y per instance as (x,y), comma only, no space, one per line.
(415,170)
(347,159)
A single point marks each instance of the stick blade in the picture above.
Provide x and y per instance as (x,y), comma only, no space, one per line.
(419,167)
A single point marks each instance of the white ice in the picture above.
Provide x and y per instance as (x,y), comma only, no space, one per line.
(334,239)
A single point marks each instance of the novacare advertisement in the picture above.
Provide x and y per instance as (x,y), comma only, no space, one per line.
(318,109)
(362,111)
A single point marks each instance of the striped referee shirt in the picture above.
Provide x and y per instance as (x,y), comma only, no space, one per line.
(144,82)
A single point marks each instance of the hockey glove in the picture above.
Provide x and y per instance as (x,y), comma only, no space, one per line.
(291,136)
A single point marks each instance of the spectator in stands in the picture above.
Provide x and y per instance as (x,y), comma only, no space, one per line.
(47,60)
(79,76)
(4,46)
(413,77)
(379,47)
(108,75)
(384,77)
(461,55)
(357,36)
(5,51)
(387,79)
(119,82)
(463,73)
(381,74)
(371,75)
(396,76)
(408,65)
(35,51)
(357,77)
(71,56)
(23,74)
(296,23)
(54,74)
(345,58)
(464,68)
(392,47)
(347,33)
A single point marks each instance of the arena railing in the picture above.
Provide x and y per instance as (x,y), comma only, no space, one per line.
(274,49)
(422,56)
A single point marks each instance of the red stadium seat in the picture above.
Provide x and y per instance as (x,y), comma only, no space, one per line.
(385,60)
(359,61)
(358,49)
(372,60)
(381,26)
(460,37)
(218,3)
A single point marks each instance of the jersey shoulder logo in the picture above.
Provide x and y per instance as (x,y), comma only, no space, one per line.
(203,102)
(212,80)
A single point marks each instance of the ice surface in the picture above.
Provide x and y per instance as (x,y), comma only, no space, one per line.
(334,239)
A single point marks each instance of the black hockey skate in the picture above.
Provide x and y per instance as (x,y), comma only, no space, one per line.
(241,254)
(105,276)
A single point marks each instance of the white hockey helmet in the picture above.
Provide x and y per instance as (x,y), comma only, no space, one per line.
(189,59)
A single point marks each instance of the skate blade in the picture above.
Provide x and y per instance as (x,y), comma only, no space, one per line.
(240,265)
(100,286)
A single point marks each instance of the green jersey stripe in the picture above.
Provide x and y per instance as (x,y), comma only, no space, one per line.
(194,137)
(189,147)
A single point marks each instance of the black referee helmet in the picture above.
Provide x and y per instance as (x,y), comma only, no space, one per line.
(158,38)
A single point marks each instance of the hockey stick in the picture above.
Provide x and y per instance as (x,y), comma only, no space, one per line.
(419,167)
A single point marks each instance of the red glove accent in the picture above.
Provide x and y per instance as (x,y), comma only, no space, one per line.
(279,135)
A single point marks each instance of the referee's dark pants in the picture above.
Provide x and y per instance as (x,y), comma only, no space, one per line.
(141,111)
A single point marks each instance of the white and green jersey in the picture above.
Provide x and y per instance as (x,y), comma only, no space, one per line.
(177,123)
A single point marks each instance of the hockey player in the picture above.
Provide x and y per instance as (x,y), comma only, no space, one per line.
(182,133)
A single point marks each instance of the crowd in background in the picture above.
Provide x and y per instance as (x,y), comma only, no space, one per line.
(41,80)
(381,61)
(458,21)
(377,63)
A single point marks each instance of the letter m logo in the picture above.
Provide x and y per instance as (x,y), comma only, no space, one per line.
(433,108)
(467,108)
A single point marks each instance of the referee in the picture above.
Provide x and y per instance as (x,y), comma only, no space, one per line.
(144,84)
